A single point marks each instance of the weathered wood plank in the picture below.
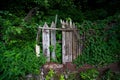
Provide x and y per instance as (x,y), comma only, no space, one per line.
(59,29)
(46,42)
(70,42)
(63,44)
(38,36)
(53,40)
(74,44)
(79,44)
(67,45)
(37,47)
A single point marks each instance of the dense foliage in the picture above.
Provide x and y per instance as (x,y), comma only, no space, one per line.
(90,74)
(17,54)
(96,18)
(101,44)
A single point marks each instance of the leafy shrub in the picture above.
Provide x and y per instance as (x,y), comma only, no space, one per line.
(62,77)
(101,44)
(95,14)
(90,74)
(59,53)
(50,75)
(17,54)
(109,75)
(18,62)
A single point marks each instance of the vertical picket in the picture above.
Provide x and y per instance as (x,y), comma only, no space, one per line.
(79,44)
(74,46)
(63,43)
(46,42)
(37,47)
(70,42)
(53,40)
(67,42)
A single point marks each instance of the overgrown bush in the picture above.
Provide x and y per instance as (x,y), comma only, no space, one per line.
(17,48)
(18,62)
(90,74)
(101,43)
(109,75)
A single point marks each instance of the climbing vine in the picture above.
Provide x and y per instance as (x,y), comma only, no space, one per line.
(101,43)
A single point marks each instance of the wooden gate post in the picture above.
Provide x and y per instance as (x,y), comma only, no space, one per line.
(63,43)
(46,42)
(53,41)
(37,47)
(70,42)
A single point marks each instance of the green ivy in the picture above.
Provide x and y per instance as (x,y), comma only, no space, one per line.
(50,75)
(101,44)
(18,62)
(90,74)
(17,54)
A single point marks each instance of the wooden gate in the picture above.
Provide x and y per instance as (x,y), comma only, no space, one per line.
(71,47)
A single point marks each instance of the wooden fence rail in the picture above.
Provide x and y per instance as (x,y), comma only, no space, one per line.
(70,41)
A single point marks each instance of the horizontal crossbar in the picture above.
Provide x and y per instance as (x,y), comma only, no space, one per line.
(60,29)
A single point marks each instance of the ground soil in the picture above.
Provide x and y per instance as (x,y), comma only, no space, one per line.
(71,68)
(115,67)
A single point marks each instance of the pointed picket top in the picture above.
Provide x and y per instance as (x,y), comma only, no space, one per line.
(73,25)
(53,25)
(62,22)
(70,23)
(56,17)
(45,25)
(66,24)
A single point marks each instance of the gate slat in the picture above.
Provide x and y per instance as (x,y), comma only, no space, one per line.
(53,40)
(37,47)
(70,42)
(67,46)
(46,42)
(63,43)
(74,44)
